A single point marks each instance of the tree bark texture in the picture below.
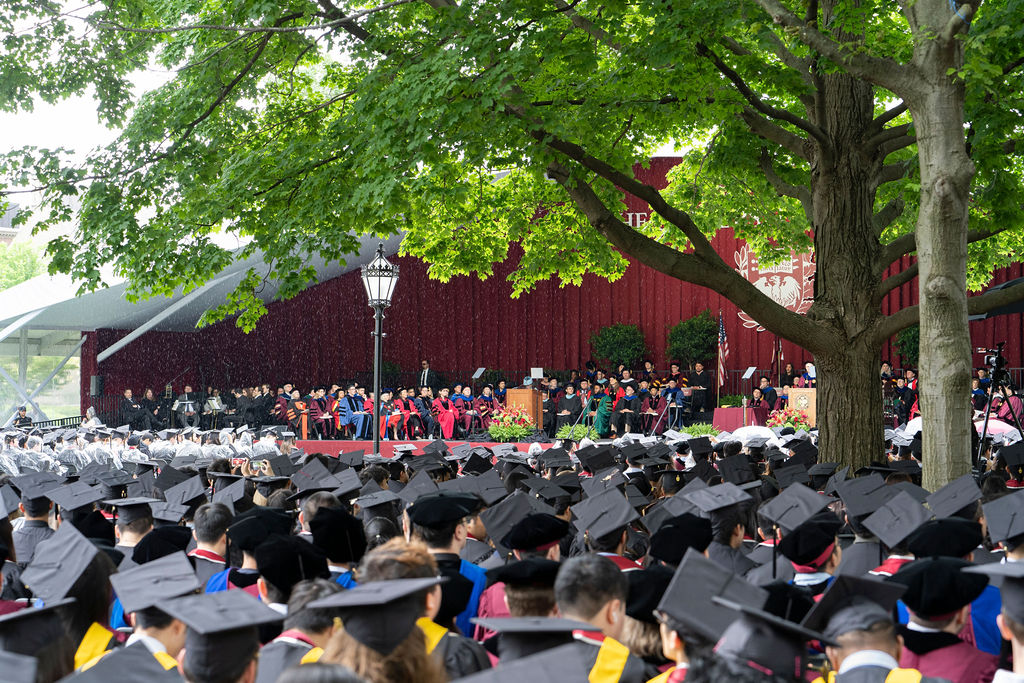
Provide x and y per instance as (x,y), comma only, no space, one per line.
(946,173)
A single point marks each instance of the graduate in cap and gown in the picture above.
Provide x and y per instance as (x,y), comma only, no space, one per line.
(1010,576)
(444,413)
(400,559)
(353,412)
(939,595)
(305,632)
(724,505)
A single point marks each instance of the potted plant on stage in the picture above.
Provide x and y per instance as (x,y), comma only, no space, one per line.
(510,424)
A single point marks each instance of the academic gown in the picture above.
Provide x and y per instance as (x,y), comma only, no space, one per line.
(136,658)
(450,564)
(349,406)
(982,631)
(476,551)
(945,655)
(31,533)
(207,564)
(460,655)
(485,406)
(609,660)
(859,558)
(289,649)
(621,420)
(729,558)
(762,574)
(445,414)
(603,416)
(574,405)
(876,674)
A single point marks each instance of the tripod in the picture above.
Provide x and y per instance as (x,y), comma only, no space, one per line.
(586,409)
(654,427)
(996,384)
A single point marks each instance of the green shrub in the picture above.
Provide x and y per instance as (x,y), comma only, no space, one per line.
(694,339)
(731,401)
(701,429)
(510,424)
(577,432)
(619,344)
(908,346)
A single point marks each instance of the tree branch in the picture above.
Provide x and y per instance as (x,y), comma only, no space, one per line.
(905,244)
(976,305)
(892,172)
(801,65)
(689,267)
(896,281)
(887,214)
(1013,65)
(889,115)
(887,135)
(960,21)
(798,192)
(757,103)
(796,145)
(884,72)
(586,25)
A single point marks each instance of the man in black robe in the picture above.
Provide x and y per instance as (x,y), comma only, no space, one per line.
(188,408)
(569,408)
(700,380)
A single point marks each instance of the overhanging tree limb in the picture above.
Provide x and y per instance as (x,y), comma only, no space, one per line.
(889,115)
(884,72)
(688,267)
(976,305)
(905,244)
(760,105)
(887,214)
(794,144)
(896,280)
(798,192)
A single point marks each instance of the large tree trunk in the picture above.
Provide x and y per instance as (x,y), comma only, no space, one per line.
(843,191)
(946,173)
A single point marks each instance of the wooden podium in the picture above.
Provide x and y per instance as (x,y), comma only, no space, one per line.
(530,400)
(805,400)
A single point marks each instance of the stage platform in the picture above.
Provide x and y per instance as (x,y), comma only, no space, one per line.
(387,448)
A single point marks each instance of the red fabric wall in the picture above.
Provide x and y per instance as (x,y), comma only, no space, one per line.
(323,335)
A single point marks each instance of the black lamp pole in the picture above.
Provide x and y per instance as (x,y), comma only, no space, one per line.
(379,278)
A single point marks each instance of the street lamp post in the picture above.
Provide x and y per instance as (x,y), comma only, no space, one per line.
(379,278)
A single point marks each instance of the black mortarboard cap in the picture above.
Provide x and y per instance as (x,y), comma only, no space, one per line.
(339,534)
(28,631)
(443,507)
(823,469)
(937,586)
(9,499)
(809,543)
(794,506)
(853,603)
(700,446)
(285,560)
(665,509)
(352,458)
(476,464)
(597,458)
(186,492)
(161,542)
(736,469)
(222,630)
(130,509)
(1004,517)
(765,642)
(380,614)
(231,494)
(792,474)
(916,492)
(57,563)
(832,485)
(382,497)
(946,537)
(532,571)
(804,453)
(500,519)
(954,496)
(169,513)
(171,477)
(688,598)
(605,513)
(18,668)
(535,532)
(897,519)
(646,589)
(678,534)
(75,496)
(717,497)
(250,529)
(149,584)
(346,483)
(556,661)
(864,495)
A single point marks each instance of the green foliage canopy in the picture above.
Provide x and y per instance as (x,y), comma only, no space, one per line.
(19,261)
(619,344)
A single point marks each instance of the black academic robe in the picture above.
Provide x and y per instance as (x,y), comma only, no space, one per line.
(621,420)
(280,654)
(476,551)
(32,533)
(729,558)
(762,574)
(574,405)
(634,670)
(859,558)
(461,656)
(699,399)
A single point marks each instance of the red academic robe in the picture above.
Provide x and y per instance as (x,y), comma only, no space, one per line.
(951,659)
(463,412)
(890,566)
(484,408)
(445,414)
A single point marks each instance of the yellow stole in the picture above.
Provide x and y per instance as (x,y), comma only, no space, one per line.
(611,660)
(312,656)
(662,677)
(433,631)
(94,644)
(894,676)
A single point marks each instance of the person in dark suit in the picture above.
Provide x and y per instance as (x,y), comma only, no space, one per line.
(429,378)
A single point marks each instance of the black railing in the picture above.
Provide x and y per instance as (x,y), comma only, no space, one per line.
(61,422)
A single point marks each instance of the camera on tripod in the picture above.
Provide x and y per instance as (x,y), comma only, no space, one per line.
(994,360)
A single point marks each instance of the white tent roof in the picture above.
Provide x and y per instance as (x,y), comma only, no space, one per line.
(55,305)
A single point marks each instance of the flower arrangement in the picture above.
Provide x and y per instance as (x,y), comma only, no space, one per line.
(510,424)
(789,417)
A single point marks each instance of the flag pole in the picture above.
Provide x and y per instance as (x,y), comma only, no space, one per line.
(719,368)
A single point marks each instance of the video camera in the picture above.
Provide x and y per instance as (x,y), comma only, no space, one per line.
(994,360)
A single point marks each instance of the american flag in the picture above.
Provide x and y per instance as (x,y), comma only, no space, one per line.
(723,350)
